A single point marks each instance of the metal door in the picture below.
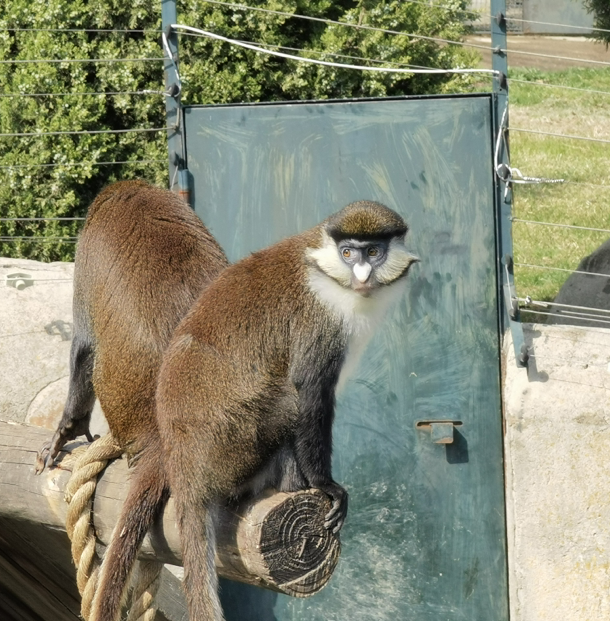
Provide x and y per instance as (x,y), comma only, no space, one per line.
(425,535)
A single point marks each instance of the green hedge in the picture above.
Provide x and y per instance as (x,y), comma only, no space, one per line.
(212,72)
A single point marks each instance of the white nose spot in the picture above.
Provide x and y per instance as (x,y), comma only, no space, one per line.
(362,271)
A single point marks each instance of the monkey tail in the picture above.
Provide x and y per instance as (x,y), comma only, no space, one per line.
(198,555)
(148,494)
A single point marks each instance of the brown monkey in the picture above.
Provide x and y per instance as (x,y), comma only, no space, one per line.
(143,257)
(247,386)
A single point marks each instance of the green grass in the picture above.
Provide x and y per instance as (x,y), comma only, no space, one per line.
(537,107)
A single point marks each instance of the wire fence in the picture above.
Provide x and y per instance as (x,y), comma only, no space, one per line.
(558,125)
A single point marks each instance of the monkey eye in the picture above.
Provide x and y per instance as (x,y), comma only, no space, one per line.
(372,252)
(347,253)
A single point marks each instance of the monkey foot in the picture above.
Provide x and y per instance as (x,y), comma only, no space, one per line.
(45,458)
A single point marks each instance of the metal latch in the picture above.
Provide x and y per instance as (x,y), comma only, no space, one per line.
(441,431)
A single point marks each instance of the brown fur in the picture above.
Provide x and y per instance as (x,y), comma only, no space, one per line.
(143,258)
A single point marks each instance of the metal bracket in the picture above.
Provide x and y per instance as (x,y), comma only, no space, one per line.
(500,19)
(441,431)
(502,80)
(19,281)
(510,294)
(173,90)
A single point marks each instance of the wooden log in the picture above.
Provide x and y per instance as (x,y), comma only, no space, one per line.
(277,541)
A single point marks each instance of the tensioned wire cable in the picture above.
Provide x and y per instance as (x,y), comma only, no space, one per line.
(568,88)
(84,131)
(560,269)
(387,31)
(571,307)
(84,93)
(556,135)
(15,238)
(255,48)
(442,7)
(564,226)
(581,316)
(335,22)
(346,24)
(68,164)
(93,30)
(78,60)
(321,52)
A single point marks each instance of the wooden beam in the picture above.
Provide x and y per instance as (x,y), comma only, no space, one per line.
(276,541)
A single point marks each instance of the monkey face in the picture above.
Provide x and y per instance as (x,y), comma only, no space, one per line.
(363,258)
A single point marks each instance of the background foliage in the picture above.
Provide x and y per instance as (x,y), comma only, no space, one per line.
(601,18)
(212,72)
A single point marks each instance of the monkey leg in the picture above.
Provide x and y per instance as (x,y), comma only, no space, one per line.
(289,477)
(197,479)
(312,455)
(281,473)
(79,404)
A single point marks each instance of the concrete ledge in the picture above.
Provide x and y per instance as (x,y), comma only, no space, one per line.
(557,449)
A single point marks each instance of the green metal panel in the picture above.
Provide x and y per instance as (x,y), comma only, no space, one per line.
(425,535)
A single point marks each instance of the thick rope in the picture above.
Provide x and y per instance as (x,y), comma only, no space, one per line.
(144,592)
(89,461)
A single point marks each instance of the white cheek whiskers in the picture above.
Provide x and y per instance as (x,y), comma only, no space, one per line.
(359,315)
(328,260)
(397,261)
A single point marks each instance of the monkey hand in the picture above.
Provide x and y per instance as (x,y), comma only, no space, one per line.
(49,450)
(336,516)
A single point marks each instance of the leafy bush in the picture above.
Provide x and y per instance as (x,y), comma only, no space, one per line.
(212,72)
(601,18)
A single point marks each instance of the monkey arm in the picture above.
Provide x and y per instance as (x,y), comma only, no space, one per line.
(79,404)
(313,440)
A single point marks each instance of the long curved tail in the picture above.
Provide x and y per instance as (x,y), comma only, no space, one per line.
(198,536)
(148,494)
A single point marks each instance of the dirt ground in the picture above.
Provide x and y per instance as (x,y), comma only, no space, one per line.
(574,51)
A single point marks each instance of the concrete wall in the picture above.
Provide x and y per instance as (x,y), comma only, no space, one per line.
(557,450)
(35,334)
(566,13)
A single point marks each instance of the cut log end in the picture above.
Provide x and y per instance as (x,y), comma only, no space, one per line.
(281,539)
(300,553)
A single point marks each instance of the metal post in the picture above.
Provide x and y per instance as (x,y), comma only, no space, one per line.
(509,310)
(178,173)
